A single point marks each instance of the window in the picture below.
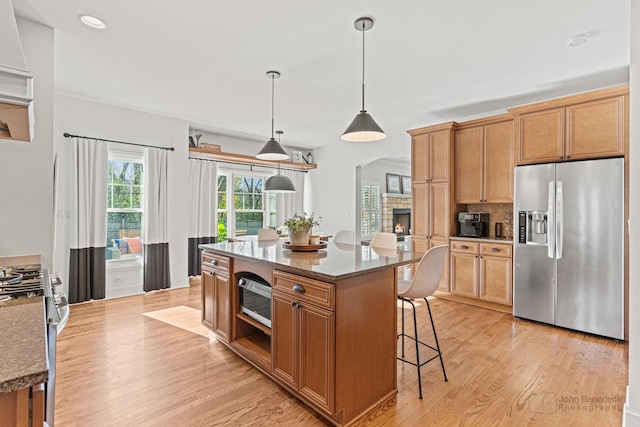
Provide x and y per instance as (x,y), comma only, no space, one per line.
(125,206)
(243,208)
(370,220)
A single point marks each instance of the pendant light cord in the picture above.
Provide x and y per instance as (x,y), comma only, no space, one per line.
(273,79)
(363,31)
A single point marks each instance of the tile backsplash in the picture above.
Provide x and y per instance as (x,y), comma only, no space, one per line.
(498,212)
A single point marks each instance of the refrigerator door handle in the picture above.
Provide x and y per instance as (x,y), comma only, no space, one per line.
(551,242)
(559,219)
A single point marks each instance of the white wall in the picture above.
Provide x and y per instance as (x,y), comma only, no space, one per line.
(333,184)
(26,220)
(81,117)
(632,410)
(376,171)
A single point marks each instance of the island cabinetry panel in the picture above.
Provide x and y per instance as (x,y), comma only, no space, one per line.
(587,126)
(483,156)
(216,294)
(303,337)
(482,271)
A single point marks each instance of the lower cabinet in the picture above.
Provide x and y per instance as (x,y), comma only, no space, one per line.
(303,342)
(216,296)
(23,408)
(482,271)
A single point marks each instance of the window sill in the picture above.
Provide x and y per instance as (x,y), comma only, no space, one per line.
(125,263)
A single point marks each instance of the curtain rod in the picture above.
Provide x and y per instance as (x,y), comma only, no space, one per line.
(68,135)
(248,164)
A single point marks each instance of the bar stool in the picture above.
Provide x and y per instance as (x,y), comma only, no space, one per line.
(424,283)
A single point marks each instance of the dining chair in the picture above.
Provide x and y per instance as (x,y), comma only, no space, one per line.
(267,234)
(345,236)
(423,284)
(384,240)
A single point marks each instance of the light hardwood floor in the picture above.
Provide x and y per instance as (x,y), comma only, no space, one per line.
(117,367)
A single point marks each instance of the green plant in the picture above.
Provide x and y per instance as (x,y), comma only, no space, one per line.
(301,223)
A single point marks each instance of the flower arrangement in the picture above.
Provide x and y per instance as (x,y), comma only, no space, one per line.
(301,223)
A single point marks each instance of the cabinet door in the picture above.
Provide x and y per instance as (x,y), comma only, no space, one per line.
(284,339)
(222,319)
(317,355)
(207,298)
(541,136)
(468,155)
(439,155)
(420,158)
(498,163)
(464,274)
(444,280)
(419,210)
(420,244)
(596,129)
(438,213)
(496,279)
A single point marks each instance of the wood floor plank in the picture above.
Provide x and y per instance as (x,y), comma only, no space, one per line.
(117,367)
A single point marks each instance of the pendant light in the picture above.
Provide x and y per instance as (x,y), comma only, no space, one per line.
(363,128)
(272,150)
(279,183)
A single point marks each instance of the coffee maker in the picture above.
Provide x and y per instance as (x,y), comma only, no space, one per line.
(474,224)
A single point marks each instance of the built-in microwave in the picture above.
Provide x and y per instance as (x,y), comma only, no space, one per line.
(255,299)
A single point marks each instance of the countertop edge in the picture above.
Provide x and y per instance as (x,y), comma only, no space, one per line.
(303,272)
(24,381)
(482,239)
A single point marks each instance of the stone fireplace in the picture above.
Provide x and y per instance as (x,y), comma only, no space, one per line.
(396,209)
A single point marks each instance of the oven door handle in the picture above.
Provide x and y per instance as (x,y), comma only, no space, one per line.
(298,288)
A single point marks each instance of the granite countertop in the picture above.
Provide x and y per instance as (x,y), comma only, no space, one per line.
(484,239)
(23,351)
(335,262)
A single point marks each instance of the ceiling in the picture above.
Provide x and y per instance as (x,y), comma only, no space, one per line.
(427,61)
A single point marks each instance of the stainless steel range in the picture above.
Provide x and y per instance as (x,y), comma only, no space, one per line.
(28,281)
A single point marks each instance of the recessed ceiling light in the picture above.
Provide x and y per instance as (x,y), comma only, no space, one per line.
(579,39)
(93,22)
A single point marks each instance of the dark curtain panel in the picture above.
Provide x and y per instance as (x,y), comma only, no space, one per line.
(86,274)
(194,253)
(156,267)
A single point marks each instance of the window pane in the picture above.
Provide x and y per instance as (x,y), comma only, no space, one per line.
(222,192)
(124,230)
(121,196)
(248,223)
(124,192)
(136,197)
(222,225)
(138,173)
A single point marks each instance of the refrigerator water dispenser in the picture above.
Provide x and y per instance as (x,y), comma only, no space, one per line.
(532,227)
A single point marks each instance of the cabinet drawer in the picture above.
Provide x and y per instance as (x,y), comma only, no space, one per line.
(213,262)
(496,249)
(304,289)
(464,246)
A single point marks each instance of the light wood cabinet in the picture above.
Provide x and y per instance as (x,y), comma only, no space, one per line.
(585,126)
(483,156)
(23,408)
(482,270)
(303,339)
(216,295)
(432,209)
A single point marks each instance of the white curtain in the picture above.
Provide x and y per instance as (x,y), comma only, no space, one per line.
(155,230)
(89,220)
(288,204)
(203,195)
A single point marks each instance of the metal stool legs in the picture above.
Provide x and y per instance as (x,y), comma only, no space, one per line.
(417,342)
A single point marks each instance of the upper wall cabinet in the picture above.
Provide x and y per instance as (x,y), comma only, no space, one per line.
(586,126)
(431,154)
(484,161)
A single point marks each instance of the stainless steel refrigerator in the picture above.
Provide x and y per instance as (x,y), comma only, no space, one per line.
(569,245)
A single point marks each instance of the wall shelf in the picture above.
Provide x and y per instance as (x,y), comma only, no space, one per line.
(200,153)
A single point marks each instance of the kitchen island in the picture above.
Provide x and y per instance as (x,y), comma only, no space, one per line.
(332,335)
(24,361)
